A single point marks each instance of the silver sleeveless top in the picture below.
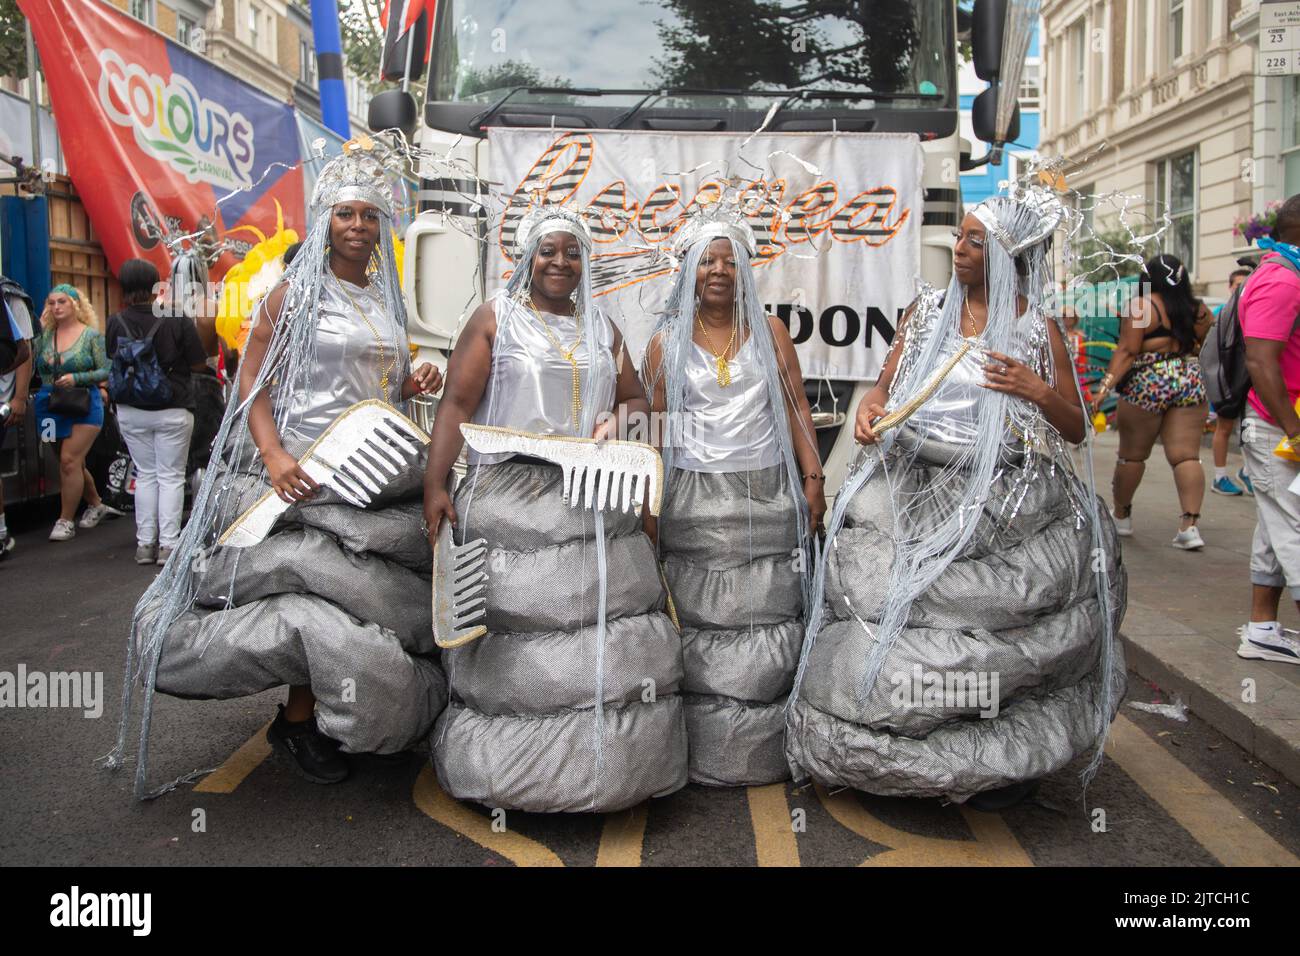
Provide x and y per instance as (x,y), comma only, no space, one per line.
(727,429)
(530,385)
(951,414)
(347,368)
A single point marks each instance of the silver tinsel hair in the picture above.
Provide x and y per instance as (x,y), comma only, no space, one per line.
(1018,263)
(285,373)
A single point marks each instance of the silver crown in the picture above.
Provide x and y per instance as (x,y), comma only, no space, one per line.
(542,220)
(360,174)
(720,219)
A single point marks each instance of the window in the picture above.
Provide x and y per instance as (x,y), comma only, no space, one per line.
(254,18)
(1029,89)
(306,63)
(142,10)
(1078,53)
(1290,135)
(185,28)
(1175,30)
(1176,194)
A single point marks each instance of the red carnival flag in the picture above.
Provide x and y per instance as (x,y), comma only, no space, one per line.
(154,135)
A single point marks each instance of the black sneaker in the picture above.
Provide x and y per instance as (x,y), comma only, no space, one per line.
(1003,798)
(313,755)
(7,544)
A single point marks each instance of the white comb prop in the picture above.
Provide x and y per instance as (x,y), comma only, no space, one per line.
(356,457)
(459,586)
(608,475)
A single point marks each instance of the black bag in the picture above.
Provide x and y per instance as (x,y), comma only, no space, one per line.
(72,401)
(1223,356)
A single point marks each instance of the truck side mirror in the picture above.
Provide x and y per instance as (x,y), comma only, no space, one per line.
(398,48)
(987,19)
(393,109)
(984,117)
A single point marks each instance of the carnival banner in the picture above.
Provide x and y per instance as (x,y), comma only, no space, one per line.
(838,233)
(154,135)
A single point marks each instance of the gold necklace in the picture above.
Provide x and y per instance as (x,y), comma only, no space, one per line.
(570,356)
(720,358)
(965,299)
(384,367)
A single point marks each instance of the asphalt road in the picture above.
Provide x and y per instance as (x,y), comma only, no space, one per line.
(1171,793)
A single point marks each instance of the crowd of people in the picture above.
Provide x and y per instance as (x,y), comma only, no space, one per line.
(136,369)
(744,635)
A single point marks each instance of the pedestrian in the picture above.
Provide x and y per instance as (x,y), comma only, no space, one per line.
(1223,424)
(1270,323)
(14,380)
(72,365)
(153,358)
(744,491)
(1161,394)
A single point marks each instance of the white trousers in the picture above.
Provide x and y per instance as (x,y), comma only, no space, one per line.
(159,443)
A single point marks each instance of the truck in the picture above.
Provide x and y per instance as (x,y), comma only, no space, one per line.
(678,66)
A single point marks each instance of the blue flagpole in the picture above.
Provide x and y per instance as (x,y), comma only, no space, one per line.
(329,66)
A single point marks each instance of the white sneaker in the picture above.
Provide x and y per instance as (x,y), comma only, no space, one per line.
(93,515)
(1123,526)
(1189,540)
(1265,646)
(64,530)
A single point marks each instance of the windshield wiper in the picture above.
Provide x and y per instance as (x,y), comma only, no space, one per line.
(648,96)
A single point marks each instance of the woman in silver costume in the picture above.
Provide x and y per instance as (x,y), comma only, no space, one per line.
(962,639)
(334,602)
(744,490)
(569,702)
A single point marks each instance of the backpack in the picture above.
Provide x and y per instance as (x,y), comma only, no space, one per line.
(10,291)
(135,377)
(1223,356)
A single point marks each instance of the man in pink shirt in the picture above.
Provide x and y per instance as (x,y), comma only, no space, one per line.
(1270,322)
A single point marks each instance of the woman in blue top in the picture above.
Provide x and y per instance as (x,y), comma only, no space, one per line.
(69,352)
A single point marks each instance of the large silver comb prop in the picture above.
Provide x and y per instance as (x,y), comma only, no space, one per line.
(459,586)
(607,475)
(363,450)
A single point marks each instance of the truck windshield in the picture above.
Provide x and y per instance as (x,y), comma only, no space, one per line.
(485,48)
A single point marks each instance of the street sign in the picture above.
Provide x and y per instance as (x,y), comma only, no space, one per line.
(1279,37)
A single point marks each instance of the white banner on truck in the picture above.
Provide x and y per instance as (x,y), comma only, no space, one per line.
(837,260)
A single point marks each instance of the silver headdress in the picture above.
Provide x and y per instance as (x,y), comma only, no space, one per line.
(1038,213)
(544,220)
(721,219)
(360,174)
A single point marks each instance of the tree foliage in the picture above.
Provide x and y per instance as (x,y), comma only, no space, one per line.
(13,41)
(764,43)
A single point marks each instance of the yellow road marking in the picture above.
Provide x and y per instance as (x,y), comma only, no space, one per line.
(238,765)
(994,843)
(1202,811)
(774,839)
(622,836)
(518,849)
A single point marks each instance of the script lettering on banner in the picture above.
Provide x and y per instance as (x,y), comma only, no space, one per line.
(837,219)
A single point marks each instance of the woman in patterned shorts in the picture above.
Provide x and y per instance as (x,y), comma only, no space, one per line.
(1160,393)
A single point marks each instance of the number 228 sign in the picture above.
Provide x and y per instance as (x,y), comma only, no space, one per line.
(1279,37)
